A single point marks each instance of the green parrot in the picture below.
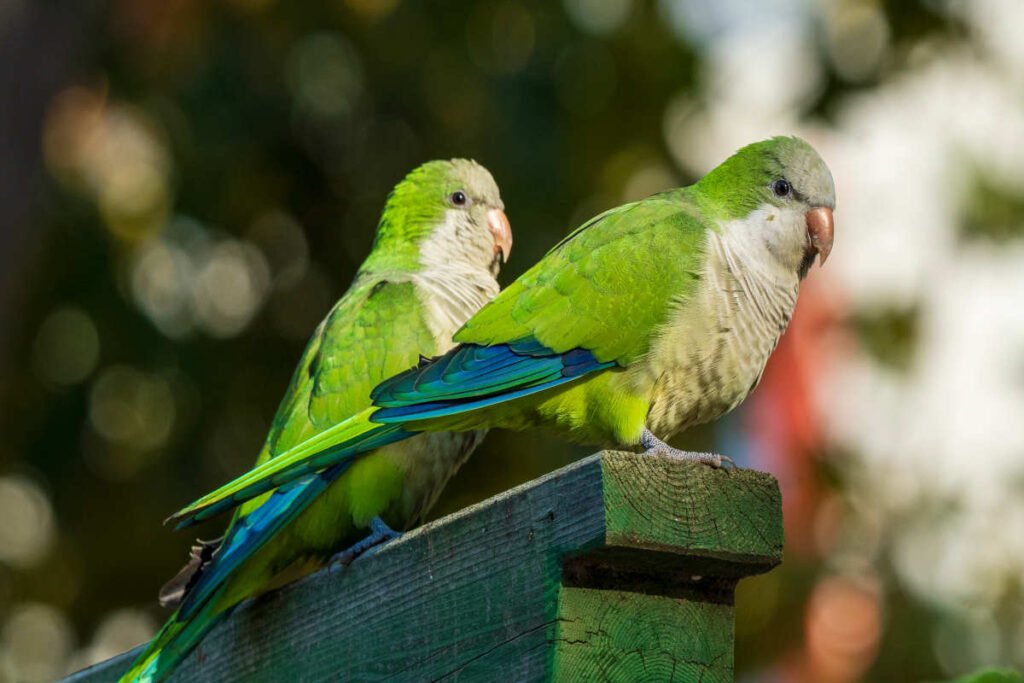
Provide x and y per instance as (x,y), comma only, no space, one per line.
(439,244)
(647,319)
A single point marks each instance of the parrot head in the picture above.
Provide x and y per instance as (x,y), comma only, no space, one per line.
(476,212)
(448,212)
(784,191)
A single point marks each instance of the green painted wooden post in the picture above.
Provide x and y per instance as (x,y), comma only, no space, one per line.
(620,567)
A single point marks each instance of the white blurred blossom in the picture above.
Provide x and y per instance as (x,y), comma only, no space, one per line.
(856,38)
(937,447)
(743,97)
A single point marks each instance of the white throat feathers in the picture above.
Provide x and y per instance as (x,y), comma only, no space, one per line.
(457,275)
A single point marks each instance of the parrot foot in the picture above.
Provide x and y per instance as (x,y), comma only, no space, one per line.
(654,446)
(380,533)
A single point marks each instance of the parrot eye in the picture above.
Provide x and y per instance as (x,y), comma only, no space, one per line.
(781,187)
(458,198)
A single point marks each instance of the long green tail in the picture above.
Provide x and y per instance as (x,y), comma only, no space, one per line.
(357,434)
(171,645)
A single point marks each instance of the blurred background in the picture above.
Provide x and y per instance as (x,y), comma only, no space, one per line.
(185,188)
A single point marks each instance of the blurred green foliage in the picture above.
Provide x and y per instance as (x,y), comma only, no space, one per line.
(992,676)
(993,212)
(889,335)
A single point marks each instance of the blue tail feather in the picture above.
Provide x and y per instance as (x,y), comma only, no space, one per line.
(250,532)
(196,615)
(170,646)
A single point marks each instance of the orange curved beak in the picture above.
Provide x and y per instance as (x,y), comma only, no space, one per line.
(820,228)
(501,231)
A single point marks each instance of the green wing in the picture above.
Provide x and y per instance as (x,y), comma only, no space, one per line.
(383,332)
(604,288)
(375,331)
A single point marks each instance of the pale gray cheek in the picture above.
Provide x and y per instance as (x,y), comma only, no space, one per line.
(776,243)
(480,248)
(786,240)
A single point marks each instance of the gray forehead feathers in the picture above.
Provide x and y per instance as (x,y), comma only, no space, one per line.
(809,174)
(478,181)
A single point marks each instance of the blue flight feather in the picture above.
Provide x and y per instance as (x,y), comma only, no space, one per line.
(470,377)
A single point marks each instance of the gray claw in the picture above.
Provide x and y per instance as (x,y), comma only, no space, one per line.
(654,446)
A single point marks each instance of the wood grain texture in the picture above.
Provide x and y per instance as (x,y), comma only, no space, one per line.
(724,522)
(618,567)
(612,635)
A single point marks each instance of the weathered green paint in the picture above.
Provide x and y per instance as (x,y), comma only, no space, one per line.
(618,567)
